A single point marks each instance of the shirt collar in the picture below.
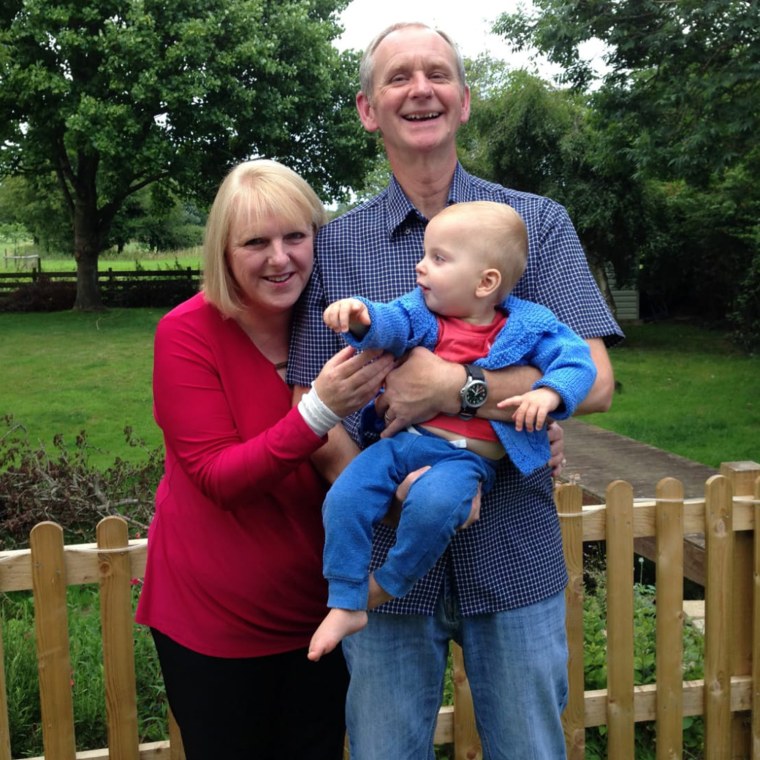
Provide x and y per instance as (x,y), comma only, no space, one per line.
(400,207)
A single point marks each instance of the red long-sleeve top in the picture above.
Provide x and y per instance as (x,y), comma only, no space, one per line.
(234,563)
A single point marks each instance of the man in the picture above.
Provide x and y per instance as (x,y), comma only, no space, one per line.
(498,590)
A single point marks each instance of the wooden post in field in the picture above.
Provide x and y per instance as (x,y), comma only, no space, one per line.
(118,641)
(719,539)
(669,590)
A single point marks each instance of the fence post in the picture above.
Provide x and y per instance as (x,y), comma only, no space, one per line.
(51,628)
(118,639)
(718,617)
(620,716)
(742,476)
(669,631)
(569,500)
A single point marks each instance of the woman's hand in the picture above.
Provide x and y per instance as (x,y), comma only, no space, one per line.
(394,512)
(557,460)
(349,380)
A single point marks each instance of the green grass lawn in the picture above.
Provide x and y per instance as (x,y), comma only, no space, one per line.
(686,390)
(683,389)
(64,372)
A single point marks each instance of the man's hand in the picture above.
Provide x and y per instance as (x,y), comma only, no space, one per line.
(418,389)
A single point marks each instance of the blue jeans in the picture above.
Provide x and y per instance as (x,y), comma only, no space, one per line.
(516,663)
(437,504)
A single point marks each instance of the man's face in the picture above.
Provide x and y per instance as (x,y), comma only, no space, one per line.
(417,102)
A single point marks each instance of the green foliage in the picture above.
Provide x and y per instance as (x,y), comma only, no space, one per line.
(644,662)
(682,75)
(679,103)
(529,135)
(746,315)
(65,487)
(113,99)
(35,205)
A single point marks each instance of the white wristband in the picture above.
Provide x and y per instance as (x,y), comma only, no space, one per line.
(316,414)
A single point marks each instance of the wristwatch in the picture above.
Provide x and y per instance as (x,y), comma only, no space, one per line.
(474,392)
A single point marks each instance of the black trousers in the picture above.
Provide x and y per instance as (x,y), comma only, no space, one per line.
(279,707)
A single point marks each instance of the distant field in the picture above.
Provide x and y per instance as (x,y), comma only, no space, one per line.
(180,259)
(132,257)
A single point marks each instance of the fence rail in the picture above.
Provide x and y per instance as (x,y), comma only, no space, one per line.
(107,279)
(728,697)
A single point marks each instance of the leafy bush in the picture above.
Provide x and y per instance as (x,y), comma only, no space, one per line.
(746,316)
(43,294)
(644,650)
(64,487)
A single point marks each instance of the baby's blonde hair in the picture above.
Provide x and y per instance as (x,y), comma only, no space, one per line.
(497,233)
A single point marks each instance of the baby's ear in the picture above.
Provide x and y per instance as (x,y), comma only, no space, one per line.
(490,282)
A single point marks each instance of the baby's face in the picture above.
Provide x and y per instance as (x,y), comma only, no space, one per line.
(450,270)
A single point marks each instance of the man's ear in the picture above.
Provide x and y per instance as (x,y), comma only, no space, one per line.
(464,116)
(490,282)
(366,112)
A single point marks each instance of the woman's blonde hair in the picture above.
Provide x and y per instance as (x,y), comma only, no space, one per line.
(261,188)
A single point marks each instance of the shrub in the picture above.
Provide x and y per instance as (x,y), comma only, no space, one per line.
(64,487)
(644,649)
(43,294)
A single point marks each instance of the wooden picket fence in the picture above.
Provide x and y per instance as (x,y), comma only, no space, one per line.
(728,696)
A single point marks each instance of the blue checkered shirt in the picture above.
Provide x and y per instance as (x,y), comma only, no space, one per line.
(512,556)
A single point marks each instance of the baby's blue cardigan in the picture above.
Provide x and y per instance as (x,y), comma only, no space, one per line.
(532,335)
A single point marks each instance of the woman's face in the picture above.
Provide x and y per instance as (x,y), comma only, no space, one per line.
(270,260)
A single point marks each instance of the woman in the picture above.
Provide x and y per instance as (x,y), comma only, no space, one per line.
(233,588)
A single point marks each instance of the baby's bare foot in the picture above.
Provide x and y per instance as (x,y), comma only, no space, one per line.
(333,629)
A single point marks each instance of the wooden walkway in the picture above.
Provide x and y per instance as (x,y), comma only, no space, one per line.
(596,457)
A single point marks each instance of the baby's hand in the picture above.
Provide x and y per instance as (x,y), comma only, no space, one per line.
(532,408)
(341,316)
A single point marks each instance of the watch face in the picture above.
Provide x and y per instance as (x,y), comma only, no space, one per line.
(476,393)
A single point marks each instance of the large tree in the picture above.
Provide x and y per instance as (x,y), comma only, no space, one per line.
(533,136)
(679,98)
(684,76)
(111,96)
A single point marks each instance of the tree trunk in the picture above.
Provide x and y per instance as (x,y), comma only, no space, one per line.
(86,252)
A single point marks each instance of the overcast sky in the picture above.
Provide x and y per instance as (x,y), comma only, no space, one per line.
(468,23)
